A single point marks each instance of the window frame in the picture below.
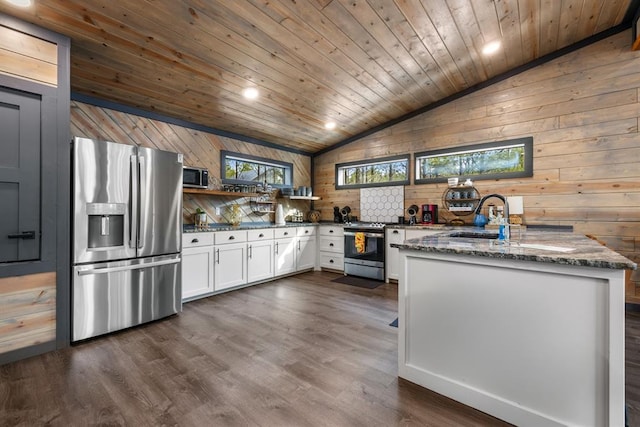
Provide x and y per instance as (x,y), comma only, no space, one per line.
(526,142)
(288,168)
(390,159)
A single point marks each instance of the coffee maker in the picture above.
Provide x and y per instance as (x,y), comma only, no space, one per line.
(429,214)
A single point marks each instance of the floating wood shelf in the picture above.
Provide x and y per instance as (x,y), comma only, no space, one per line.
(219,193)
(304,197)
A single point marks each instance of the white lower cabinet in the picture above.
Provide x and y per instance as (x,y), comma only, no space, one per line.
(230,267)
(331,247)
(306,253)
(285,251)
(260,255)
(197,265)
(215,261)
(392,255)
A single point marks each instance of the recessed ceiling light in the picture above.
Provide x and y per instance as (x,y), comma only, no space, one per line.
(491,47)
(20,3)
(250,93)
(330,125)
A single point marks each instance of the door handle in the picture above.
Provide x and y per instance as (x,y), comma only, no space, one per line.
(26,235)
(261,235)
(330,231)
(232,238)
(217,256)
(330,244)
(142,231)
(133,209)
(276,248)
(195,241)
(395,231)
(250,251)
(104,270)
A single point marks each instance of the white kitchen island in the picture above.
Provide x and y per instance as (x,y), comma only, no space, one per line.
(532,335)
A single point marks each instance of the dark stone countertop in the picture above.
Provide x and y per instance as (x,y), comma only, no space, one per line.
(538,246)
(191,228)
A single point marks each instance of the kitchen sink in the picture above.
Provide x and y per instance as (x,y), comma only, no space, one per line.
(474,235)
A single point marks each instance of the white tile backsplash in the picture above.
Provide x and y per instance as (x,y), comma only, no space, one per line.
(381,204)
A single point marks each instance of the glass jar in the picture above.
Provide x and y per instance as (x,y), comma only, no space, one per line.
(235,215)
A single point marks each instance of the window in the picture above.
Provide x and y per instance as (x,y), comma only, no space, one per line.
(504,159)
(375,173)
(245,169)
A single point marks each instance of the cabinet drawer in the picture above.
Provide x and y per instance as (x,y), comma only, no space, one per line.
(332,244)
(280,233)
(331,230)
(260,234)
(305,231)
(236,236)
(395,236)
(193,240)
(333,261)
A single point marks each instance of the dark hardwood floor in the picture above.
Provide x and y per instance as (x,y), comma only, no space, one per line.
(300,351)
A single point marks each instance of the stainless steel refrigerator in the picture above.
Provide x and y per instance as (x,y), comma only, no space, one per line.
(127,228)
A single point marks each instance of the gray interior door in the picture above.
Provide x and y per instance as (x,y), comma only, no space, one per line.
(19,176)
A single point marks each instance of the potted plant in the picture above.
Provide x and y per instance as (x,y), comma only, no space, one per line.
(200,218)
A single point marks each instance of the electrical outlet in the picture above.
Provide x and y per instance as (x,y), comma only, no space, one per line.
(217,211)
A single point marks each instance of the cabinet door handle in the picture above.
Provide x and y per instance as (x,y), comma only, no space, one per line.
(232,237)
(330,231)
(331,244)
(395,231)
(330,261)
(28,235)
(286,233)
(217,256)
(276,248)
(194,240)
(306,231)
(260,235)
(298,244)
(250,251)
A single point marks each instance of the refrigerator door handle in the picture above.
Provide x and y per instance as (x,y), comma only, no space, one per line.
(104,270)
(133,212)
(143,201)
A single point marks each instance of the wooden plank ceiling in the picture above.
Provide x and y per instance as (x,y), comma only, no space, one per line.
(358,63)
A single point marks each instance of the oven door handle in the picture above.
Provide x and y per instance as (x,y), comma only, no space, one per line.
(374,235)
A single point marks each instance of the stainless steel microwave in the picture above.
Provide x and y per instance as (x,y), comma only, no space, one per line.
(195,177)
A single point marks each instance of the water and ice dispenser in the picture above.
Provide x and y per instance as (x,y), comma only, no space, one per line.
(106,225)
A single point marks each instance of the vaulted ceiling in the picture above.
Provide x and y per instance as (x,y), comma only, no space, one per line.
(359,63)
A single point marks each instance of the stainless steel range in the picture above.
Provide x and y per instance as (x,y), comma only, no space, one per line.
(364,250)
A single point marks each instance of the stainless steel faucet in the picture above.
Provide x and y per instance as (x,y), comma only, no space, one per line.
(501,197)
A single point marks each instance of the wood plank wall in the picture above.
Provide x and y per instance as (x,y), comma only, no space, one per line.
(25,56)
(27,303)
(582,110)
(199,148)
(27,310)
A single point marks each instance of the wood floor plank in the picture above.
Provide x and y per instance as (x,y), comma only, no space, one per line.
(299,351)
